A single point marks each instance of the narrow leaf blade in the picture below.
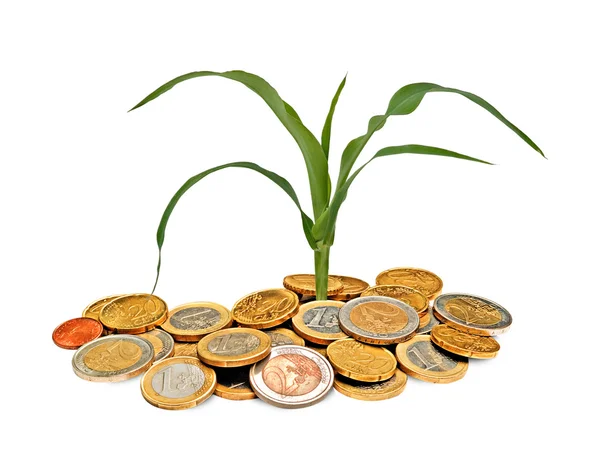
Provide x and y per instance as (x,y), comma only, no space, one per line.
(326,133)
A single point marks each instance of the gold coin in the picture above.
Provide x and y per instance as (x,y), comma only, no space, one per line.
(134,313)
(306,284)
(377,391)
(362,362)
(234,347)
(178,383)
(192,321)
(318,322)
(351,287)
(93,309)
(162,342)
(424,320)
(421,360)
(281,336)
(186,349)
(464,344)
(265,309)
(234,383)
(321,350)
(423,281)
(405,294)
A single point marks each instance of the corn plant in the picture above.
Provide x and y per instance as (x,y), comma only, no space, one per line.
(326,200)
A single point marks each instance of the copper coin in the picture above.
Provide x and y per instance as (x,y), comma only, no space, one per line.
(76,332)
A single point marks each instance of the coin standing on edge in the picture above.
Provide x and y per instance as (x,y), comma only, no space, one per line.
(113,358)
(178,383)
(282,336)
(472,314)
(76,332)
(404,294)
(134,313)
(421,360)
(361,362)
(192,321)
(377,391)
(307,285)
(234,383)
(291,377)
(424,281)
(318,322)
(162,342)
(351,288)
(93,309)
(378,320)
(463,344)
(234,347)
(265,309)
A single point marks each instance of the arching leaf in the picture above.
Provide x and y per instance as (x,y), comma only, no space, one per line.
(326,134)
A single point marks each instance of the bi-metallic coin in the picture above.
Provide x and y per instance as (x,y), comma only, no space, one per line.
(472,314)
(192,321)
(113,358)
(432,321)
(282,336)
(404,294)
(234,347)
(318,322)
(378,320)
(162,342)
(291,377)
(178,383)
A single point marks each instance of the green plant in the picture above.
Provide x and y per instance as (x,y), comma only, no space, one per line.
(320,234)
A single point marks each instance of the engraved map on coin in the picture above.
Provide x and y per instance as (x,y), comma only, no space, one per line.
(178,380)
(112,356)
(233,344)
(473,311)
(291,375)
(278,339)
(323,319)
(378,317)
(195,318)
(259,308)
(425,356)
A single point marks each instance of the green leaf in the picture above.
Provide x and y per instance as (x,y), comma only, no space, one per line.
(405,101)
(326,134)
(307,223)
(314,158)
(326,228)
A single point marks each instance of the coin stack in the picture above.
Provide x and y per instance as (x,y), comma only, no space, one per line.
(283,346)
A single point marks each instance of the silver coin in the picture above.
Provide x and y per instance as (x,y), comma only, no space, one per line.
(113,358)
(433,321)
(162,342)
(472,314)
(292,376)
(378,320)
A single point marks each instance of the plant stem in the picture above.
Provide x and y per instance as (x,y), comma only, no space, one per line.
(322,271)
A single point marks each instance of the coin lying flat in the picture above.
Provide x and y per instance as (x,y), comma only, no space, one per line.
(306,284)
(265,309)
(162,342)
(319,349)
(378,320)
(192,321)
(281,336)
(404,294)
(76,332)
(234,347)
(113,358)
(178,383)
(291,377)
(186,349)
(423,281)
(426,329)
(234,383)
(134,313)
(464,344)
(351,288)
(362,362)
(93,309)
(421,360)
(318,322)
(424,320)
(472,314)
(377,391)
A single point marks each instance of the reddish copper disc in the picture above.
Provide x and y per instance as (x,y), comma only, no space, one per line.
(76,332)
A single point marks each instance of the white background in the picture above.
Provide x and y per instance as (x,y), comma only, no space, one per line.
(84,183)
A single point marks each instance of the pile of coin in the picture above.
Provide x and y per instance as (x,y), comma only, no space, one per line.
(283,346)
